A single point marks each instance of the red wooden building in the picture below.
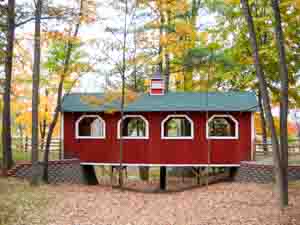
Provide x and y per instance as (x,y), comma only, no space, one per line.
(161,129)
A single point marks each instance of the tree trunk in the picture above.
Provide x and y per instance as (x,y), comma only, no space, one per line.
(121,181)
(266,99)
(263,123)
(6,120)
(135,85)
(144,173)
(284,101)
(143,170)
(188,74)
(43,125)
(188,80)
(69,48)
(167,72)
(160,47)
(162,173)
(35,96)
(51,129)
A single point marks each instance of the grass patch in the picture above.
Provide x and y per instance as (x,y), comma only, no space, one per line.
(294,184)
(21,204)
(21,156)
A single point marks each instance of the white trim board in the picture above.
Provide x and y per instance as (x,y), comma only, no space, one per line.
(154,165)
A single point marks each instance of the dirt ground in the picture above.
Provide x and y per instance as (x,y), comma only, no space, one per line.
(219,204)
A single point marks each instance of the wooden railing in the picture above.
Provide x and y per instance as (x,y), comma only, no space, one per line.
(263,150)
(22,149)
(294,146)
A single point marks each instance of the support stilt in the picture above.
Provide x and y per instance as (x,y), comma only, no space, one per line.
(232,172)
(163,179)
(89,175)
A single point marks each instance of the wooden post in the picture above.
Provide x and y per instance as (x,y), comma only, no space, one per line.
(89,174)
(232,172)
(198,175)
(60,149)
(254,149)
(163,179)
(26,144)
(111,175)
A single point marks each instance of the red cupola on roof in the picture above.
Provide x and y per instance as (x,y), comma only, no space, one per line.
(157,84)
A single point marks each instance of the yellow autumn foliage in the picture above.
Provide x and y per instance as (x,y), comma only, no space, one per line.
(203,36)
(258,129)
(232,1)
(22,109)
(110,96)
(247,60)
(297,4)
(60,36)
(147,82)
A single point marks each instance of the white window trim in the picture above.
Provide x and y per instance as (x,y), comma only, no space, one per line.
(177,138)
(89,137)
(133,116)
(221,137)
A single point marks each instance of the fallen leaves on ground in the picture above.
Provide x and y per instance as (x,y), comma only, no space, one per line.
(21,204)
(223,203)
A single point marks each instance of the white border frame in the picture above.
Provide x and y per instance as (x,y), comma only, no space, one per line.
(89,137)
(223,137)
(177,138)
(134,116)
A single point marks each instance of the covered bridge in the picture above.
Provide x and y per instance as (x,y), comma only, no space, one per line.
(161,129)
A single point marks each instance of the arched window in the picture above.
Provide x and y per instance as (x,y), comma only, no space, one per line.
(177,127)
(134,127)
(222,127)
(90,127)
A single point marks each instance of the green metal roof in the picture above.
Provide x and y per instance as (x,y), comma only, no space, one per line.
(173,101)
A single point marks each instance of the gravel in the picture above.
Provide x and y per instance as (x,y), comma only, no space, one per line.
(219,204)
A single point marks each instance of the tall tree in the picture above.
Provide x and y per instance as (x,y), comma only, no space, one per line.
(123,73)
(282,194)
(284,100)
(6,121)
(69,47)
(35,94)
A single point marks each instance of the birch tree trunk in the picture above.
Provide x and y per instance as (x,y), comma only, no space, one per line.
(35,96)
(6,120)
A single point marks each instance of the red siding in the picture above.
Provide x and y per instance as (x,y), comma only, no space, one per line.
(157,91)
(156,150)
